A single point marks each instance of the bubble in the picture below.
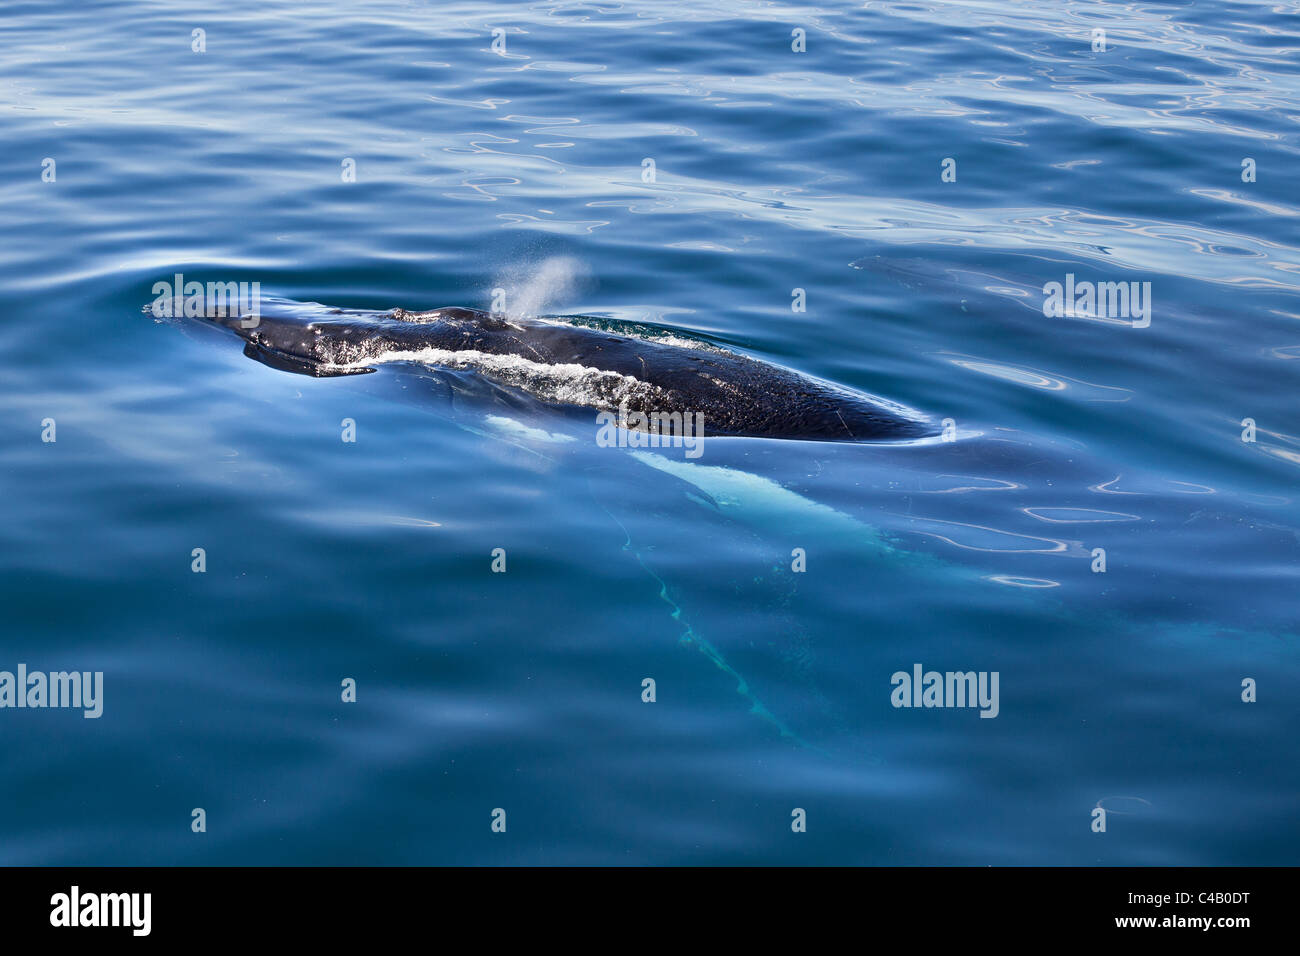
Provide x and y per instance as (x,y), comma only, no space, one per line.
(1123,805)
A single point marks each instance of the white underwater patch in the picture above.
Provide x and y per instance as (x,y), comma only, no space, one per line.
(517,429)
(763,503)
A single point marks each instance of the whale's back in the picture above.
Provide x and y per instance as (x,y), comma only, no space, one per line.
(568,364)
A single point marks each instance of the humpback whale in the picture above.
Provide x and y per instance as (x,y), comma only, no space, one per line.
(567,364)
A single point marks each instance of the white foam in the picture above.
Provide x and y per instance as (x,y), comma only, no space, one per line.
(681,343)
(566,383)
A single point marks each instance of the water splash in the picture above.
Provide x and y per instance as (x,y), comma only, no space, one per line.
(545,286)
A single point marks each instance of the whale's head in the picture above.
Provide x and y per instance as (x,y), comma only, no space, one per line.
(306,338)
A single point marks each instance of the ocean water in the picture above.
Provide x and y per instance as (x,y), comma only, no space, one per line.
(683,168)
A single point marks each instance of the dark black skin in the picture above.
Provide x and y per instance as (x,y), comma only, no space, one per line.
(735,394)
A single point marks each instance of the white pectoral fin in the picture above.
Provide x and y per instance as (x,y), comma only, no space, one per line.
(764,504)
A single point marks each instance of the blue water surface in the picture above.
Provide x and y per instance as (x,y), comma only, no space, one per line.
(685,167)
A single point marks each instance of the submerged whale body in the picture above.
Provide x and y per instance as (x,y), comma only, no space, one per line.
(561,363)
